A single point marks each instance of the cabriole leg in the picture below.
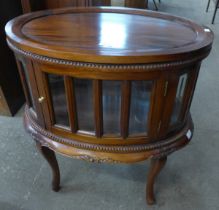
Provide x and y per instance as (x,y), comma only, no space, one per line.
(156,167)
(49,155)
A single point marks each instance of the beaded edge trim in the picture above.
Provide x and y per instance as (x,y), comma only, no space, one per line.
(105,67)
(103,148)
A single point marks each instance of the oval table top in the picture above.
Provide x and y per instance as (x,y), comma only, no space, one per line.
(108,35)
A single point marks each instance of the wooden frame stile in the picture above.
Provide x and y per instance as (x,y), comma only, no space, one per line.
(168,94)
(155,111)
(125,108)
(43,92)
(98,108)
(71,103)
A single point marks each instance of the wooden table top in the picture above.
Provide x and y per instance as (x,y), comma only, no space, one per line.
(108,35)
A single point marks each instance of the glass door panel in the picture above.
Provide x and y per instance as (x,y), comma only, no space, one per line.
(139,108)
(179,99)
(111,106)
(58,96)
(84,104)
(27,84)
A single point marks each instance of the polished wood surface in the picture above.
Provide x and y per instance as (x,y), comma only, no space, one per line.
(108,84)
(89,35)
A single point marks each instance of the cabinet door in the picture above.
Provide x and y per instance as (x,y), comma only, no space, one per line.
(183,97)
(179,92)
(55,106)
(101,110)
(28,80)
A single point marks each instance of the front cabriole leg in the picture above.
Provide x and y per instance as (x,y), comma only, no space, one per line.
(155,168)
(49,155)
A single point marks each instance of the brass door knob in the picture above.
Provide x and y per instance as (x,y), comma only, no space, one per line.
(41,99)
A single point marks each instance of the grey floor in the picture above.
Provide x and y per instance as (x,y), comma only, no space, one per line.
(190,179)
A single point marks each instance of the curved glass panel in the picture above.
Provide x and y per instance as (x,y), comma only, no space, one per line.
(139,109)
(111,106)
(84,104)
(58,96)
(27,83)
(179,98)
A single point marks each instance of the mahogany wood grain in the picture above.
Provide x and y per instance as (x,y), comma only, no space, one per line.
(86,35)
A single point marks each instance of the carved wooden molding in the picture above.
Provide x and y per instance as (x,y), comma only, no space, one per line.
(108,67)
(95,159)
(37,131)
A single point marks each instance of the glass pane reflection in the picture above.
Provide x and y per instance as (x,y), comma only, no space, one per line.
(179,98)
(84,104)
(27,81)
(57,90)
(111,106)
(113,33)
(140,103)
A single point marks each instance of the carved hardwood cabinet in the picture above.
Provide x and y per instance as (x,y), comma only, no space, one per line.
(108,84)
